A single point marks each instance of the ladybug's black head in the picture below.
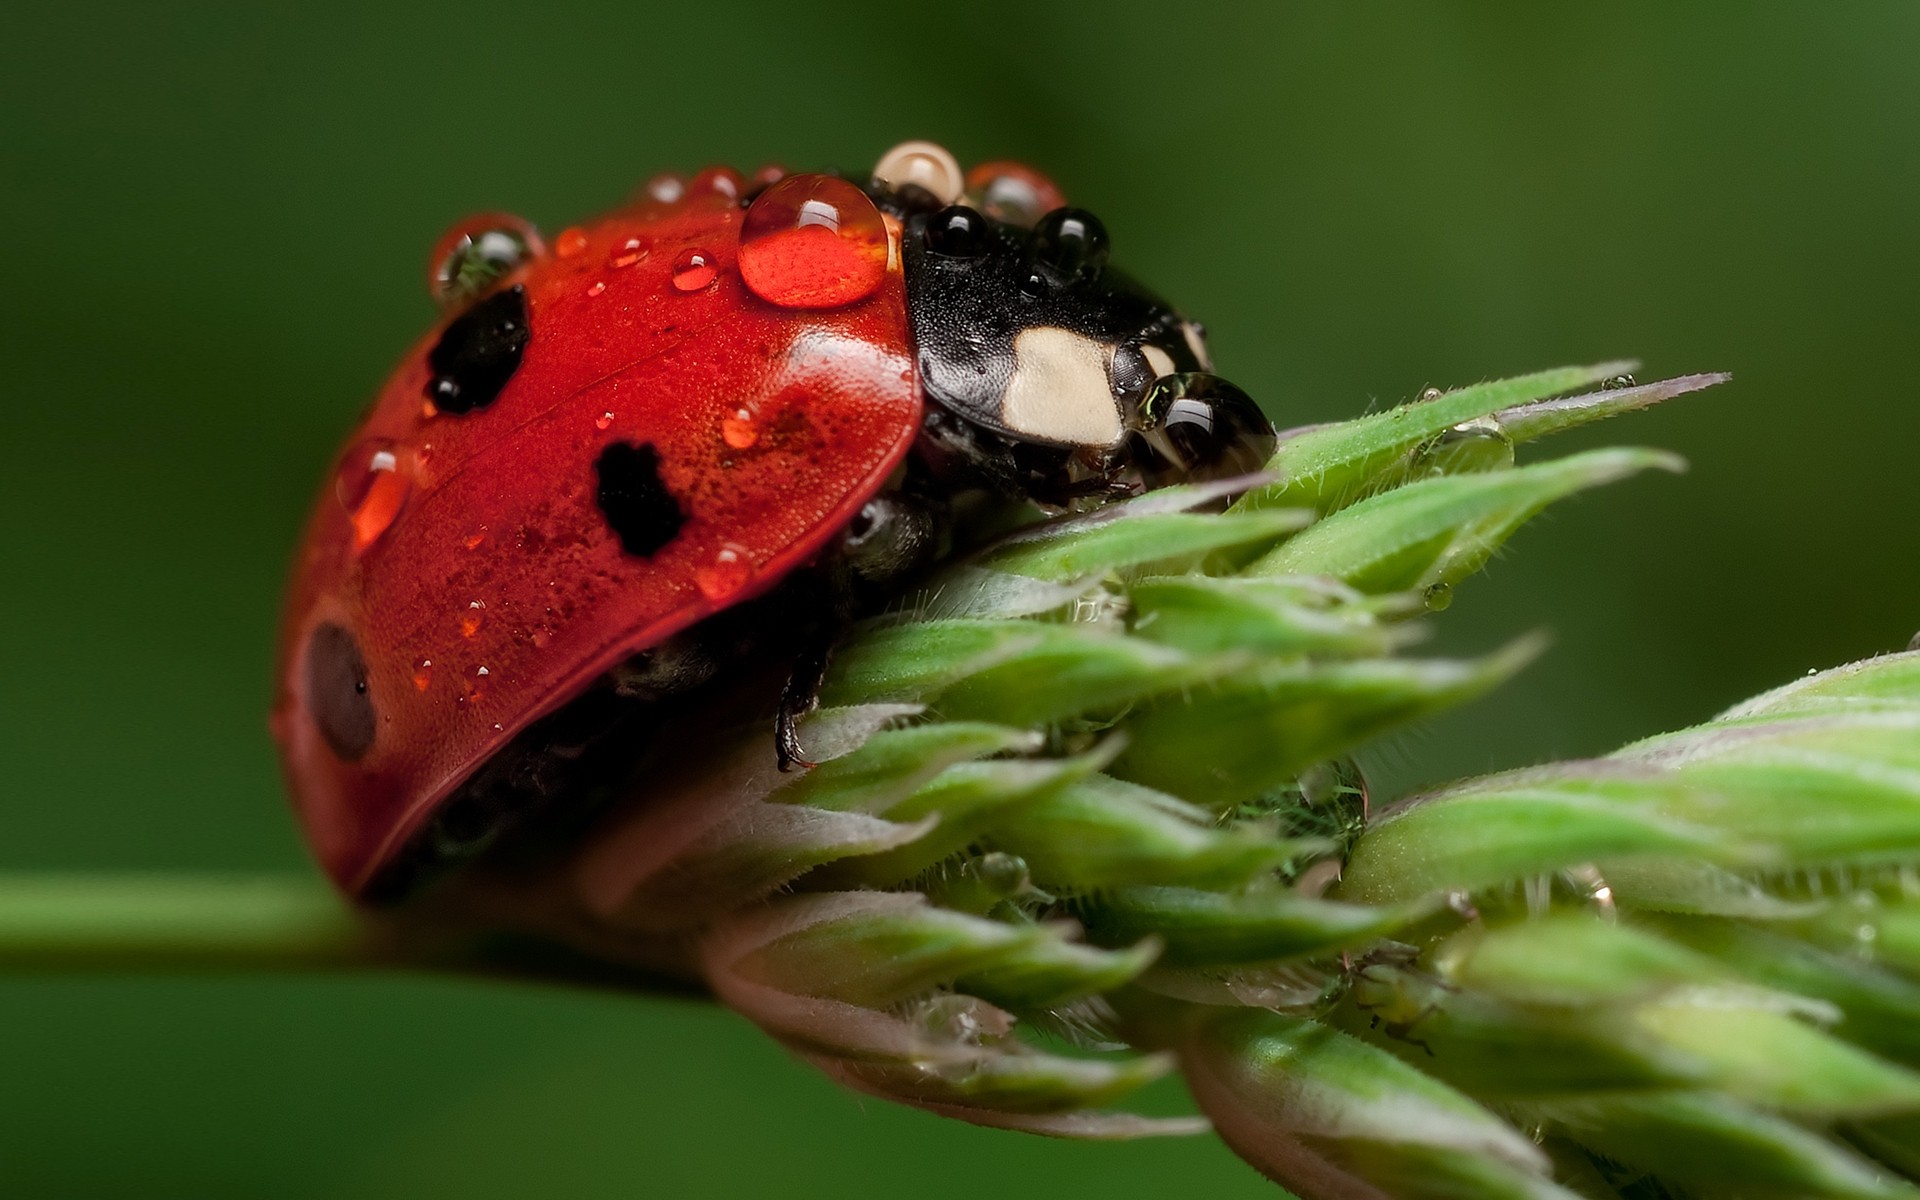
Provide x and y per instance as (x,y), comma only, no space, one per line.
(1024,331)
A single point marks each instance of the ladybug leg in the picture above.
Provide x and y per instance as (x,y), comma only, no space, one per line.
(800,697)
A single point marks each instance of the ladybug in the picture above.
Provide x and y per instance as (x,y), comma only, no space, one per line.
(686,443)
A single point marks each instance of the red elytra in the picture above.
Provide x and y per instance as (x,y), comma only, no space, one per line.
(481,586)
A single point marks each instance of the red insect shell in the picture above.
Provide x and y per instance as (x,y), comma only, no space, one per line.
(466,553)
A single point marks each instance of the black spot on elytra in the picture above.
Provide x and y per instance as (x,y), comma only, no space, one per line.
(642,512)
(478,352)
(337,693)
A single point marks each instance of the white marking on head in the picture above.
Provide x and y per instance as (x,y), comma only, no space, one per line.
(1158,359)
(1197,344)
(923,164)
(1059,390)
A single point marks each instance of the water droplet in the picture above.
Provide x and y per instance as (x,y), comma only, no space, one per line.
(571,242)
(472,619)
(1072,242)
(1438,597)
(1432,393)
(739,430)
(1616,383)
(923,165)
(626,254)
(958,232)
(722,181)
(478,253)
(665,188)
(597,287)
(474,685)
(472,541)
(813,241)
(1010,192)
(372,486)
(1913,643)
(730,571)
(423,675)
(693,270)
(1481,444)
(603,421)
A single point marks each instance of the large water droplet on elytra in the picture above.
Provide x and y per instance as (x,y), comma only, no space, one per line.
(372,485)
(720,181)
(423,675)
(473,685)
(693,270)
(813,241)
(571,242)
(729,571)
(628,252)
(472,618)
(478,253)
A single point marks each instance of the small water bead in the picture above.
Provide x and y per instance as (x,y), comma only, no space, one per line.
(1616,383)
(474,685)
(1194,426)
(721,181)
(598,287)
(1011,192)
(473,618)
(627,253)
(958,232)
(739,430)
(604,421)
(423,675)
(1430,394)
(473,540)
(693,270)
(1481,444)
(813,241)
(372,485)
(1072,242)
(665,188)
(478,253)
(924,165)
(571,242)
(1437,597)
(730,571)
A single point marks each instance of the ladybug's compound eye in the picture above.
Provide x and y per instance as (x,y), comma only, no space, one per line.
(1072,242)
(923,165)
(478,253)
(643,513)
(958,232)
(1195,427)
(337,691)
(478,352)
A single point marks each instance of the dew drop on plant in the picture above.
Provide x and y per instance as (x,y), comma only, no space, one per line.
(729,571)
(1437,597)
(372,485)
(1913,643)
(813,241)
(1430,394)
(693,270)
(1477,445)
(1616,383)
(478,253)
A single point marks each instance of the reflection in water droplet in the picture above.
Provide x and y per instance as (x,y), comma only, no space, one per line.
(813,241)
(423,675)
(626,254)
(1438,597)
(372,486)
(665,188)
(478,253)
(693,270)
(728,573)
(472,619)
(1616,383)
(603,421)
(474,684)
(739,430)
(570,242)
(1432,393)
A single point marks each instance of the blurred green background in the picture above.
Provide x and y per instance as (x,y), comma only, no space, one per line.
(217,218)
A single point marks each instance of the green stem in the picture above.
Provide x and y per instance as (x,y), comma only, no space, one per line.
(67,923)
